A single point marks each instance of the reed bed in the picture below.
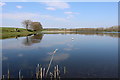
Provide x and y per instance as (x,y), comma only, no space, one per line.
(42,72)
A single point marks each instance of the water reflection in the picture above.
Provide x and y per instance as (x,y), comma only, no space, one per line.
(58,57)
(39,36)
(86,56)
(111,34)
(29,40)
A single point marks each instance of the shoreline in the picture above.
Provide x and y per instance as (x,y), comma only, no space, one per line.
(6,32)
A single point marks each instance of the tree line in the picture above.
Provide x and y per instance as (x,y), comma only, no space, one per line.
(37,26)
(109,29)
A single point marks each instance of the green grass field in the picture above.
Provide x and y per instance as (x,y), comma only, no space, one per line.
(6,32)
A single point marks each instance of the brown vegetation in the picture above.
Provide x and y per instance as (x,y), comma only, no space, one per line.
(110,29)
(36,26)
(28,24)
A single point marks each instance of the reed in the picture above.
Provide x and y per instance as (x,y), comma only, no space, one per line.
(20,78)
(43,72)
(8,74)
(64,70)
(40,73)
(51,61)
(55,72)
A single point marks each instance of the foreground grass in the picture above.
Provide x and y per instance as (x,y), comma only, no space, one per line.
(6,32)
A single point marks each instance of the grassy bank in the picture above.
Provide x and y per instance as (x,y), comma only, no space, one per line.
(6,32)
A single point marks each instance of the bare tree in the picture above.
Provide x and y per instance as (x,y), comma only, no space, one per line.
(27,23)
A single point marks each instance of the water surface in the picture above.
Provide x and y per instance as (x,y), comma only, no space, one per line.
(83,55)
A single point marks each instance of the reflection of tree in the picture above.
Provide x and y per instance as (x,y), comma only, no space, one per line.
(36,38)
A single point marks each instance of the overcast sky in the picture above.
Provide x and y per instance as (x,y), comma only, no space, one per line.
(61,14)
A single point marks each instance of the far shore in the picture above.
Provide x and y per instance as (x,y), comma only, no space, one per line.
(55,31)
(77,31)
(7,32)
